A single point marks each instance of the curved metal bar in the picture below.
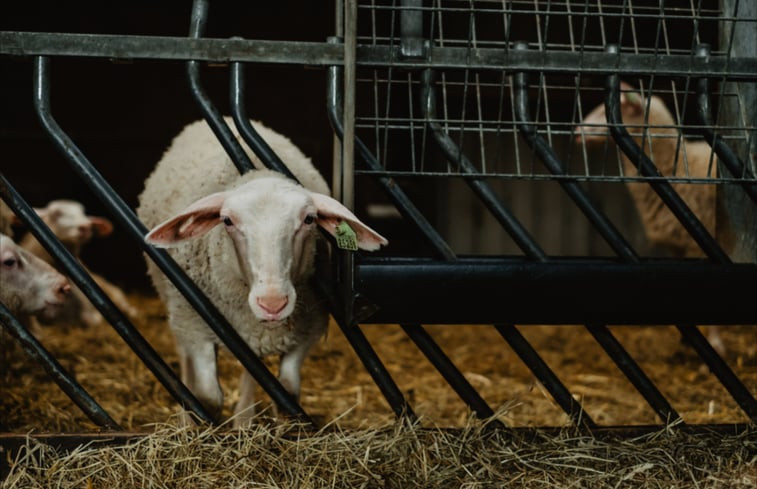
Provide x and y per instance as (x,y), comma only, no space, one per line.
(209,111)
(669,196)
(400,199)
(258,145)
(99,299)
(724,152)
(527,128)
(131,224)
(481,188)
(65,381)
(617,242)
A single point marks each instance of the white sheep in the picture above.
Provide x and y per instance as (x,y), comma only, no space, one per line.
(68,220)
(249,243)
(28,285)
(694,159)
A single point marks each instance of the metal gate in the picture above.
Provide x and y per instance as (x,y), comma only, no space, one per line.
(444,95)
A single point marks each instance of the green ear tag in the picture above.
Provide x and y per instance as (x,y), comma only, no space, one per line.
(346,238)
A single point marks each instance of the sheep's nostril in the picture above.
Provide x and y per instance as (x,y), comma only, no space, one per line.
(65,288)
(273,304)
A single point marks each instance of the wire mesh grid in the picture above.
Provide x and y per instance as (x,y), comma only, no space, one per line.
(475,106)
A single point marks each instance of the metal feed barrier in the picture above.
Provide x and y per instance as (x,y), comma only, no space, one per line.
(430,92)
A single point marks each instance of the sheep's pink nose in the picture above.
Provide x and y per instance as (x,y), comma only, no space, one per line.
(273,304)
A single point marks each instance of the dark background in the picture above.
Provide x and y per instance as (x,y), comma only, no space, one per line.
(123,115)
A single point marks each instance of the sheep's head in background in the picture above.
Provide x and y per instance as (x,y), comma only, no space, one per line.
(272,224)
(29,285)
(69,222)
(593,128)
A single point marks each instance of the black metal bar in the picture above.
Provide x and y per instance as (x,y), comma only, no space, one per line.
(481,188)
(209,111)
(724,152)
(400,199)
(354,335)
(669,196)
(131,224)
(578,291)
(545,375)
(453,376)
(130,47)
(633,372)
(528,129)
(738,391)
(258,145)
(65,381)
(102,302)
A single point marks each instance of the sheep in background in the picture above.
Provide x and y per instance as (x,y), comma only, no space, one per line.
(28,285)
(249,243)
(661,227)
(6,219)
(74,228)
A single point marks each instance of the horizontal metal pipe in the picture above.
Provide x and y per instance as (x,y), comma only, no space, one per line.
(481,291)
(60,376)
(21,43)
(129,222)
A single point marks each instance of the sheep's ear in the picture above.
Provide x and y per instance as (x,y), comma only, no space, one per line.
(196,220)
(101,226)
(331,213)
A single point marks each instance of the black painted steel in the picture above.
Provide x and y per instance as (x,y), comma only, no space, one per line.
(130,47)
(545,375)
(209,111)
(566,291)
(131,224)
(724,152)
(94,293)
(65,381)
(720,369)
(669,196)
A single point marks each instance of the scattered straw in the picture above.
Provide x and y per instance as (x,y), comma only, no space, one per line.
(398,456)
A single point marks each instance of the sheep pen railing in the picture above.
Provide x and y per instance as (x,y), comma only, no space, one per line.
(428,98)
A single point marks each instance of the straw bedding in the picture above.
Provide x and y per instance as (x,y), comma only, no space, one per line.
(362,445)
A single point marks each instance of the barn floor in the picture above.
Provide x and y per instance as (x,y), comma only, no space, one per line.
(335,385)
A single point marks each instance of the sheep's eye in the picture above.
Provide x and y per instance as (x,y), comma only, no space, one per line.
(309,219)
(9,262)
(227,221)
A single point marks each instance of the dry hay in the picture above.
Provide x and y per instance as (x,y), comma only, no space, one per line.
(336,385)
(399,456)
(362,445)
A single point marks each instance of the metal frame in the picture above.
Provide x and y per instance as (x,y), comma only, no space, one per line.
(354,280)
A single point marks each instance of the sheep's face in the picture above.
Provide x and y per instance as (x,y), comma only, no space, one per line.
(272,224)
(69,222)
(271,221)
(28,284)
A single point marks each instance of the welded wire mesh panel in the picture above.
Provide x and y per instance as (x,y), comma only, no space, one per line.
(400,106)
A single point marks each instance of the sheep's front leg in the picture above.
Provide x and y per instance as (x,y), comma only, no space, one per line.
(244,411)
(198,372)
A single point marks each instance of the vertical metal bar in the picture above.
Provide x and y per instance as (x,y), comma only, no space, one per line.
(724,152)
(126,218)
(662,187)
(102,302)
(209,111)
(348,110)
(65,381)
